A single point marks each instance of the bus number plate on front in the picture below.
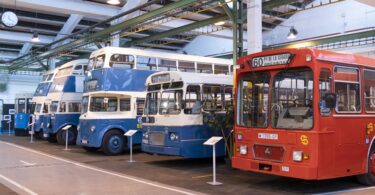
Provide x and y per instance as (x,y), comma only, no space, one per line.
(268,136)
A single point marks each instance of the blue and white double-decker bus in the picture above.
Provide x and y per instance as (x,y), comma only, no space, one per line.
(38,101)
(180,113)
(23,110)
(63,103)
(114,95)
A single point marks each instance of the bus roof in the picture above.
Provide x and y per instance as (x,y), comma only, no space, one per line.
(23,95)
(73,63)
(192,78)
(316,54)
(158,54)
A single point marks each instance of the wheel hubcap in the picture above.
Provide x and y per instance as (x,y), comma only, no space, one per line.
(115,143)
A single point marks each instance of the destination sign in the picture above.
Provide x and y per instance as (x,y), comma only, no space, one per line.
(272,60)
(160,78)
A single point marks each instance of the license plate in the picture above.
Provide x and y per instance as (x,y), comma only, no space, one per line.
(268,136)
(84,141)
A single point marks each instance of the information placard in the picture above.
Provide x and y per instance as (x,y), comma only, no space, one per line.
(213,140)
(130,133)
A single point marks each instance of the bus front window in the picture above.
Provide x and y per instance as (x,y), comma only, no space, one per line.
(170,102)
(253,98)
(292,98)
(152,99)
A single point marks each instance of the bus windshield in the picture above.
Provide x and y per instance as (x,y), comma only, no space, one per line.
(170,102)
(38,108)
(253,100)
(96,62)
(291,102)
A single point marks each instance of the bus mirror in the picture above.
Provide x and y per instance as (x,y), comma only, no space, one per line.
(330,100)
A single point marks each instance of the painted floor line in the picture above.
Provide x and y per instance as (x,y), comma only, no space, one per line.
(102,170)
(27,190)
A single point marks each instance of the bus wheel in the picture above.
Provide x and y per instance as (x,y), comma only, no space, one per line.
(90,149)
(51,138)
(369,177)
(72,136)
(113,143)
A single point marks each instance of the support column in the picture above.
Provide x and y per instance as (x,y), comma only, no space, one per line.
(254,26)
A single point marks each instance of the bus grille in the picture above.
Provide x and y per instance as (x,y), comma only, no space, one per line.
(157,138)
(271,153)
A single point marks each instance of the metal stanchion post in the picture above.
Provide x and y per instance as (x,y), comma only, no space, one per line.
(130,134)
(66,129)
(9,127)
(212,142)
(32,129)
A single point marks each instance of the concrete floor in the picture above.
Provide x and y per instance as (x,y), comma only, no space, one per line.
(45,168)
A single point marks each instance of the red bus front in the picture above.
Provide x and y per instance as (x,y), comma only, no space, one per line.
(282,124)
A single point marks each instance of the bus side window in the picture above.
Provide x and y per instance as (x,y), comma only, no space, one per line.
(146,63)
(204,68)
(369,90)
(124,104)
(121,61)
(193,103)
(29,109)
(21,105)
(140,106)
(184,66)
(221,69)
(62,107)
(74,107)
(167,65)
(212,98)
(228,97)
(347,89)
(324,88)
(45,108)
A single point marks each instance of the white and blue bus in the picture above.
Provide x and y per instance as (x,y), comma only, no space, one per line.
(23,110)
(180,113)
(114,95)
(63,103)
(38,100)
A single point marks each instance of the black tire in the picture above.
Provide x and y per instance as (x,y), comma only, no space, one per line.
(72,136)
(113,143)
(369,177)
(90,149)
(51,138)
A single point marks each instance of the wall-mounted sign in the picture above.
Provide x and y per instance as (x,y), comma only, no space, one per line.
(12,111)
(279,59)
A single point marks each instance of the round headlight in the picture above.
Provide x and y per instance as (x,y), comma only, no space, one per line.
(145,135)
(297,155)
(173,137)
(92,129)
(243,149)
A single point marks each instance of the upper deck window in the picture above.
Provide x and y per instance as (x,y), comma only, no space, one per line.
(253,96)
(347,89)
(121,61)
(369,82)
(79,69)
(184,66)
(167,65)
(221,69)
(204,68)
(292,97)
(64,71)
(146,63)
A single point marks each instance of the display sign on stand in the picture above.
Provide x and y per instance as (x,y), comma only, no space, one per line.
(212,142)
(66,128)
(130,134)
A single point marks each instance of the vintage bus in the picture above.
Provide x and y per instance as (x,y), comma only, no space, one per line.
(39,97)
(115,92)
(178,110)
(63,103)
(305,113)
(23,110)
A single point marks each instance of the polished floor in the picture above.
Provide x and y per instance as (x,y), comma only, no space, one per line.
(45,168)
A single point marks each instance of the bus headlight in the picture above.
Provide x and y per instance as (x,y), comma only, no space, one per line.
(145,135)
(243,149)
(239,136)
(92,129)
(78,127)
(173,136)
(297,156)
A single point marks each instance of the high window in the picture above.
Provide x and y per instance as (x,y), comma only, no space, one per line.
(347,89)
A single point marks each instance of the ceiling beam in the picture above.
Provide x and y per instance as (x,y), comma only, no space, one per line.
(276,3)
(20,37)
(25,48)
